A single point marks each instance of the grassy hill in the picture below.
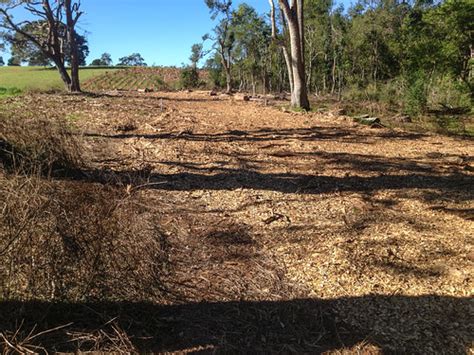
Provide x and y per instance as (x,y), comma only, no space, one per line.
(40,78)
(14,79)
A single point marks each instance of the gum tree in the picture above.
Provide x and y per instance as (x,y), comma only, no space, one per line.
(293,26)
(56,38)
(224,36)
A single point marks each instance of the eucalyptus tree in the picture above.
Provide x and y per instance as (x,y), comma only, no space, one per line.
(293,25)
(105,60)
(224,36)
(197,53)
(251,52)
(132,60)
(27,51)
(56,37)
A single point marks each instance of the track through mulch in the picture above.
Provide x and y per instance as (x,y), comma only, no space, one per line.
(286,232)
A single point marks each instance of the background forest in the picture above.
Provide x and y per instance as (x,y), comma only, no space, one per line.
(412,56)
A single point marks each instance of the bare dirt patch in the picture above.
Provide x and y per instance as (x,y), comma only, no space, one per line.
(286,232)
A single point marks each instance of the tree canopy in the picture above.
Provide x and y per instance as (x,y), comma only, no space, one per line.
(105,60)
(132,60)
(28,52)
(53,33)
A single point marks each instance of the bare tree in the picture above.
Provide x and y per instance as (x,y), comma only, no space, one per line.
(59,17)
(293,23)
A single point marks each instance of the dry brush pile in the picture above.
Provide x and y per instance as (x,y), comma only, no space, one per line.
(66,239)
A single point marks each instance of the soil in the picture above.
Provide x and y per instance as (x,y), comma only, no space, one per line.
(288,231)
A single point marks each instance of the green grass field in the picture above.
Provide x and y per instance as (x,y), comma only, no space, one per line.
(39,78)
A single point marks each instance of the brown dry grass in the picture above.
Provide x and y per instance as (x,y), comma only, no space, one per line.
(38,145)
(283,232)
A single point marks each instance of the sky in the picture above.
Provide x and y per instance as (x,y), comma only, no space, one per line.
(163,31)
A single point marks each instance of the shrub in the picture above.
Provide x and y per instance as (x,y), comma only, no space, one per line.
(392,92)
(415,100)
(448,92)
(189,78)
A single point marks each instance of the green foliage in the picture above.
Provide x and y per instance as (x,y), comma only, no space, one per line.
(132,60)
(26,51)
(218,6)
(9,92)
(216,72)
(105,60)
(413,56)
(2,63)
(252,41)
(196,54)
(447,91)
(415,99)
(14,62)
(189,78)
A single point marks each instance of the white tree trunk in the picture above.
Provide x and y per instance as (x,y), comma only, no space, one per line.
(294,18)
(295,22)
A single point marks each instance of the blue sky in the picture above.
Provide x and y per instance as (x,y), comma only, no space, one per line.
(163,31)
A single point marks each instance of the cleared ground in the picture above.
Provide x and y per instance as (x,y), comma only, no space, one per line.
(286,232)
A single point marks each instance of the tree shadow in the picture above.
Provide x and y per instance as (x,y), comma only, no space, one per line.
(465,213)
(395,324)
(269,134)
(232,179)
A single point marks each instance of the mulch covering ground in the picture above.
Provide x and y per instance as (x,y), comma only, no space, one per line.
(287,232)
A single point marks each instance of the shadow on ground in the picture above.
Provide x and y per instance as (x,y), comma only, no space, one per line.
(427,324)
(231,179)
(270,134)
(434,173)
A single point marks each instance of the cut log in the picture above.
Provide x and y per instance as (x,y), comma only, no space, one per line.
(242,97)
(373,122)
(370,120)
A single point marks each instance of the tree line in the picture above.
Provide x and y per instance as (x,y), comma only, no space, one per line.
(399,49)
